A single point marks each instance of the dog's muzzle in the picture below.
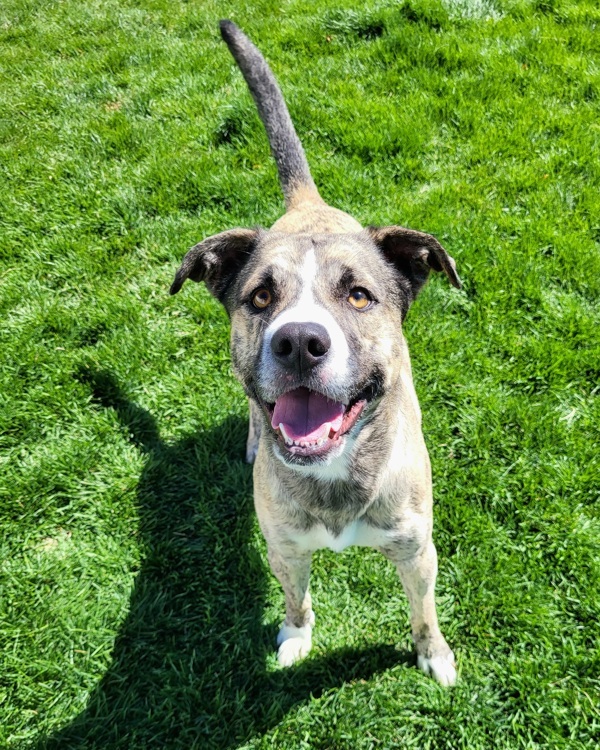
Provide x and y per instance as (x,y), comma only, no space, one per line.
(309,407)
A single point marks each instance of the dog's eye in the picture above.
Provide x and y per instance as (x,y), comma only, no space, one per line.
(359,298)
(261,299)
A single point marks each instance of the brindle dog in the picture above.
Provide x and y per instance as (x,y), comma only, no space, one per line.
(316,306)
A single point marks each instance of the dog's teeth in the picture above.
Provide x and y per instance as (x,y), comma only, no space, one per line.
(308,444)
(286,437)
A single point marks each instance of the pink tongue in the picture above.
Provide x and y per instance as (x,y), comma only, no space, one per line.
(306,415)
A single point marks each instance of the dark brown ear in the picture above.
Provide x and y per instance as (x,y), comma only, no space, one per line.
(216,260)
(414,254)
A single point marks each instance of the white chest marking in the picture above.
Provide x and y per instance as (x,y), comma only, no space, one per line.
(356,533)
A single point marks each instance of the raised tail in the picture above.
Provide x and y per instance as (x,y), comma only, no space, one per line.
(294,173)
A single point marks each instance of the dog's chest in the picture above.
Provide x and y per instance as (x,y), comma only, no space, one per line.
(358,533)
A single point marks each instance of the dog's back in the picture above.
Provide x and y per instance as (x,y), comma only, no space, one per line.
(306,210)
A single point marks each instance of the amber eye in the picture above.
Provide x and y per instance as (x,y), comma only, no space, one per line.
(359,298)
(262,298)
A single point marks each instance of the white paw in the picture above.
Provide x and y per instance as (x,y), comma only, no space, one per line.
(441,668)
(294,644)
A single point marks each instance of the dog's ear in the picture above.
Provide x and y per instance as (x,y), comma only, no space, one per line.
(216,260)
(414,254)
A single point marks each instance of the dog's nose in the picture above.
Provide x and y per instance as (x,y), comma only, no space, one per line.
(300,346)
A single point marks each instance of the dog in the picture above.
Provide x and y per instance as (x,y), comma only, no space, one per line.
(316,305)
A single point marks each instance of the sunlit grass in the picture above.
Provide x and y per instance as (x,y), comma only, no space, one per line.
(136,605)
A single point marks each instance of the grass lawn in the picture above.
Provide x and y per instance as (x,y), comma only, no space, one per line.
(136,605)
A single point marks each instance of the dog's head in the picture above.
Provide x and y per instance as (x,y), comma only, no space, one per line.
(316,335)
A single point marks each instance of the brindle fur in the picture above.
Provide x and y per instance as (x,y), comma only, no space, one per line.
(382,482)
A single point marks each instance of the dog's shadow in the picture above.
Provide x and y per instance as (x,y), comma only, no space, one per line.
(189,665)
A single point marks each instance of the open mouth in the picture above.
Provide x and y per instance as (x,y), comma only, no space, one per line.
(307,423)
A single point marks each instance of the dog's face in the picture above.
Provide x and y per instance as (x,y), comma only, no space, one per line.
(316,324)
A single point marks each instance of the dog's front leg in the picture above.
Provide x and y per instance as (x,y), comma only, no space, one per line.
(254,430)
(418,573)
(292,569)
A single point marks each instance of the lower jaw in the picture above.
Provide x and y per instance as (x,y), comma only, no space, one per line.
(327,447)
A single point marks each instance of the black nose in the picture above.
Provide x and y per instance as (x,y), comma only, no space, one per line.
(300,346)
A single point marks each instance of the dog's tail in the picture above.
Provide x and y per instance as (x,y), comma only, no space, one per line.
(294,173)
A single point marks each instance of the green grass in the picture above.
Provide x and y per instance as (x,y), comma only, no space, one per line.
(136,605)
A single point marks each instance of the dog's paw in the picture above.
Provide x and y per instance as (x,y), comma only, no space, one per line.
(442,668)
(294,644)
